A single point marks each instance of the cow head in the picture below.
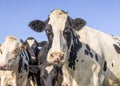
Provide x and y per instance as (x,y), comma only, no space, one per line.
(9,52)
(60,29)
(32,47)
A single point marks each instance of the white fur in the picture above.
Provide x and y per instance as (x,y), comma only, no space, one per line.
(30,42)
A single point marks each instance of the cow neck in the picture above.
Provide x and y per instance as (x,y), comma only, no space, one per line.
(75,47)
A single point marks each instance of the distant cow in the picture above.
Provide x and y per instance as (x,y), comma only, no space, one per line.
(90,57)
(33,50)
(14,65)
(50,75)
(37,56)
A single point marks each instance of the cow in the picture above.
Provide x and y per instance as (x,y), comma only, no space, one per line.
(32,47)
(90,57)
(14,66)
(54,77)
(37,57)
(50,75)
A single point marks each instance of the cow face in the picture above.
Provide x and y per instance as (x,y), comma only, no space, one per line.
(9,52)
(32,46)
(60,30)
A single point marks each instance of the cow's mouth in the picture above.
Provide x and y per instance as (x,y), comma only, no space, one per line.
(56,62)
(4,68)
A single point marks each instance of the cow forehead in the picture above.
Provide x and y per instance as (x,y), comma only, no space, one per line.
(57,11)
(58,20)
(30,42)
(10,44)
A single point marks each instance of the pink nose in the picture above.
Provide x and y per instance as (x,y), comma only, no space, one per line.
(56,56)
(3,66)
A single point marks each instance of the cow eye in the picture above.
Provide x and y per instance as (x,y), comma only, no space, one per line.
(48,32)
(48,29)
(15,51)
(66,34)
(66,31)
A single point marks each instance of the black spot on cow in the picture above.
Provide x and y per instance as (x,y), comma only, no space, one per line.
(82,60)
(49,33)
(117,48)
(26,67)
(91,55)
(86,52)
(74,49)
(88,47)
(20,65)
(105,66)
(112,64)
(96,57)
(77,60)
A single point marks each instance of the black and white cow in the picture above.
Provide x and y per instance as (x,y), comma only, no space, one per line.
(50,75)
(37,56)
(14,65)
(33,50)
(90,57)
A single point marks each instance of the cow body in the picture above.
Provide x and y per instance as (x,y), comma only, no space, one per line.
(14,63)
(89,57)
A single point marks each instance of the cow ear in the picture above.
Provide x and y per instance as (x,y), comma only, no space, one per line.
(37,25)
(23,45)
(43,43)
(78,23)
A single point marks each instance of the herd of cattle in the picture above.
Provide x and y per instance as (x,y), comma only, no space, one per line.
(75,55)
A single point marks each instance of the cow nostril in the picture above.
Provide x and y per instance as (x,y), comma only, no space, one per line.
(3,66)
(58,59)
(62,57)
(52,55)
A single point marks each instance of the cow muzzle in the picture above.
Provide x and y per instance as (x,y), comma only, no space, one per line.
(56,57)
(3,66)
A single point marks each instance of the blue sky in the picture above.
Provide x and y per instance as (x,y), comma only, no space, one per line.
(103,15)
